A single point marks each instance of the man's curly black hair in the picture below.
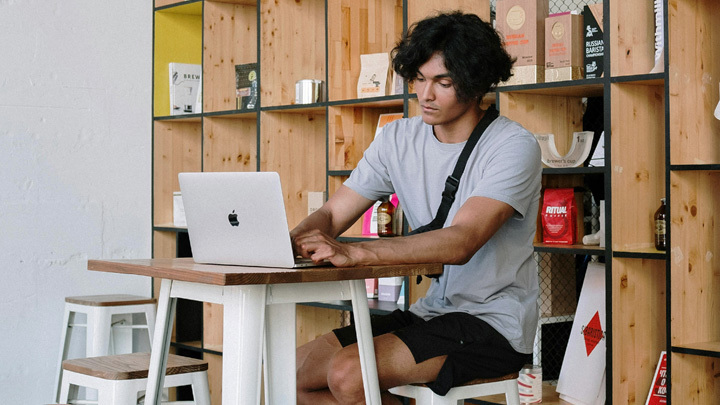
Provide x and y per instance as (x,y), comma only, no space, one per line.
(473,52)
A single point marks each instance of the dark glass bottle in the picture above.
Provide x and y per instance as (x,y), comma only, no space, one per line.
(660,227)
(385,212)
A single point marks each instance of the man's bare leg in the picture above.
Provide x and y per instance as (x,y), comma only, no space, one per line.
(331,374)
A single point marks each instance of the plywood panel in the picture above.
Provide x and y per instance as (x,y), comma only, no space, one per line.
(695,379)
(694,81)
(230,145)
(541,114)
(230,38)
(292,47)
(419,9)
(214,377)
(313,322)
(638,334)
(177,148)
(694,255)
(638,163)
(356,28)
(294,146)
(212,326)
(351,130)
(632,37)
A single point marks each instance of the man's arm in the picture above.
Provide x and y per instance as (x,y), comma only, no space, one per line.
(474,224)
(334,217)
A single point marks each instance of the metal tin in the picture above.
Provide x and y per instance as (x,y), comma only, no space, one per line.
(309,91)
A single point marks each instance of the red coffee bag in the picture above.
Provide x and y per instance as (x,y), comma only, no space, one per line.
(559,214)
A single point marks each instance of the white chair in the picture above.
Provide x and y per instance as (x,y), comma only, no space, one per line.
(456,396)
(108,324)
(119,379)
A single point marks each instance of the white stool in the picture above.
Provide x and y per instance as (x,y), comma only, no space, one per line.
(99,310)
(457,395)
(119,378)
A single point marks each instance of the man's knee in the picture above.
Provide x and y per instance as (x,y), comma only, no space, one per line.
(345,378)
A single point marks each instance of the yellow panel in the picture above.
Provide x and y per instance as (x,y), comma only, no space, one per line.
(178,38)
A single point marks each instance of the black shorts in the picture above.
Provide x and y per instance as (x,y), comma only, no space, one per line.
(474,349)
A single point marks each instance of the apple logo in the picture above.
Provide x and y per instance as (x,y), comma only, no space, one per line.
(232,218)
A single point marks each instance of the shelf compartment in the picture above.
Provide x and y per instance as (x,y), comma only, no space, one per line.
(638,325)
(693,81)
(568,88)
(351,130)
(694,257)
(356,28)
(292,47)
(632,37)
(542,113)
(177,148)
(638,163)
(694,379)
(294,146)
(178,38)
(577,249)
(230,38)
(229,144)
(646,253)
(376,307)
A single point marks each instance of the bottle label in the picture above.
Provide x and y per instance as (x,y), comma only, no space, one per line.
(660,228)
(383,218)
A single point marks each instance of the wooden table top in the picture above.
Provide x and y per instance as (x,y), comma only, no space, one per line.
(185,269)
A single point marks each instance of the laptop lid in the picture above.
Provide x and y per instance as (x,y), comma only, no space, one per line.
(236,218)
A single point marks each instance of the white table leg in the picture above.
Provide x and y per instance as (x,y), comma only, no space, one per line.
(160,344)
(280,343)
(243,327)
(361,314)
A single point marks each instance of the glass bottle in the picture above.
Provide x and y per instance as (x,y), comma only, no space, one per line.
(660,227)
(385,212)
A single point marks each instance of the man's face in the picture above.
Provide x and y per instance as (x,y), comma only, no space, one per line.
(436,93)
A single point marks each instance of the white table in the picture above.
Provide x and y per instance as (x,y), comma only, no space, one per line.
(258,303)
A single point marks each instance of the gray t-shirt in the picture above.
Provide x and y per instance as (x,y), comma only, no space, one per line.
(500,283)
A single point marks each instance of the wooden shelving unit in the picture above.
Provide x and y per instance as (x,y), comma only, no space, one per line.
(660,140)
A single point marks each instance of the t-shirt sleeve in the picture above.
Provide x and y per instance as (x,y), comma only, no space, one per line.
(370,178)
(513,174)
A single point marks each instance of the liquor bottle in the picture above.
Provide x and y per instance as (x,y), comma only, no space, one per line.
(660,227)
(385,212)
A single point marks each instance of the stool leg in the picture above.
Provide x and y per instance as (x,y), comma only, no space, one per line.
(118,393)
(64,345)
(200,388)
(150,320)
(98,332)
(65,391)
(512,396)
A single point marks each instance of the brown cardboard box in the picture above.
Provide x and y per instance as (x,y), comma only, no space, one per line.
(564,47)
(522,26)
(557,284)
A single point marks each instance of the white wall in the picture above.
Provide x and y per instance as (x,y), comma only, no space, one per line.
(75,156)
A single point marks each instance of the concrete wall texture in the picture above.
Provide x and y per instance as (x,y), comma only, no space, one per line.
(75,168)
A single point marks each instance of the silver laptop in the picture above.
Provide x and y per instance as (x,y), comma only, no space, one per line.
(238,218)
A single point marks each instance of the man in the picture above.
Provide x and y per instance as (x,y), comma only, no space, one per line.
(479,317)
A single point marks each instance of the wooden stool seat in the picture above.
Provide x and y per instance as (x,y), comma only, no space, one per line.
(120,378)
(112,300)
(423,395)
(131,366)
